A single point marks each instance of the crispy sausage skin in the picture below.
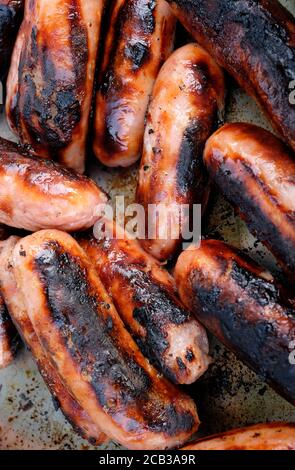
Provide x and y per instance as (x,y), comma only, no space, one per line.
(51,79)
(139,39)
(8,337)
(15,303)
(80,329)
(36,193)
(273,436)
(187,103)
(243,307)
(145,296)
(11,13)
(255,42)
(256,172)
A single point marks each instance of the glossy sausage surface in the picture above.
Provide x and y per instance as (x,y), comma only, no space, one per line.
(140,37)
(8,337)
(256,172)
(186,105)
(145,297)
(11,13)
(274,436)
(243,307)
(51,78)
(80,329)
(255,42)
(16,305)
(36,193)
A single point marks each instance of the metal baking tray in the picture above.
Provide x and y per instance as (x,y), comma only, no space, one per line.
(229,395)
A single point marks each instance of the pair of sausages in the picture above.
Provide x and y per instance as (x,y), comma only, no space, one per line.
(36,193)
(186,106)
(139,38)
(255,42)
(69,320)
(242,305)
(145,296)
(51,79)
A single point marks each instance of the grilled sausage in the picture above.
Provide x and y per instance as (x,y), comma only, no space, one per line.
(11,13)
(15,302)
(256,172)
(37,193)
(243,307)
(187,102)
(80,329)
(255,42)
(8,337)
(274,436)
(51,79)
(140,37)
(145,297)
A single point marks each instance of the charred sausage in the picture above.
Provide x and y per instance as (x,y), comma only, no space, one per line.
(256,172)
(16,305)
(243,307)
(8,337)
(36,193)
(51,78)
(274,436)
(186,105)
(255,42)
(80,329)
(11,13)
(145,297)
(140,37)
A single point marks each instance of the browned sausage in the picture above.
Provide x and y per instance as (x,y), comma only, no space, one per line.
(145,297)
(255,42)
(274,436)
(36,193)
(99,363)
(256,172)
(186,105)
(50,83)
(243,307)
(79,419)
(140,36)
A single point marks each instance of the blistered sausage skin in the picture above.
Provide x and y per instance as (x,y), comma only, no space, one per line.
(8,336)
(36,193)
(11,13)
(145,296)
(271,436)
(80,329)
(16,305)
(255,42)
(140,37)
(50,83)
(187,103)
(256,172)
(243,307)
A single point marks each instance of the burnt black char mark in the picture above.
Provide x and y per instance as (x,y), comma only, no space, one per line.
(240,323)
(94,343)
(10,19)
(7,328)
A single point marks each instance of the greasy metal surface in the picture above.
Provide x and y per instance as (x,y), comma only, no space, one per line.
(229,395)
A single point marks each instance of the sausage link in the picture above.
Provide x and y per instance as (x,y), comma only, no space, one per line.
(145,296)
(271,436)
(36,193)
(11,14)
(256,172)
(186,105)
(50,83)
(243,307)
(16,305)
(140,37)
(9,339)
(255,42)
(80,329)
